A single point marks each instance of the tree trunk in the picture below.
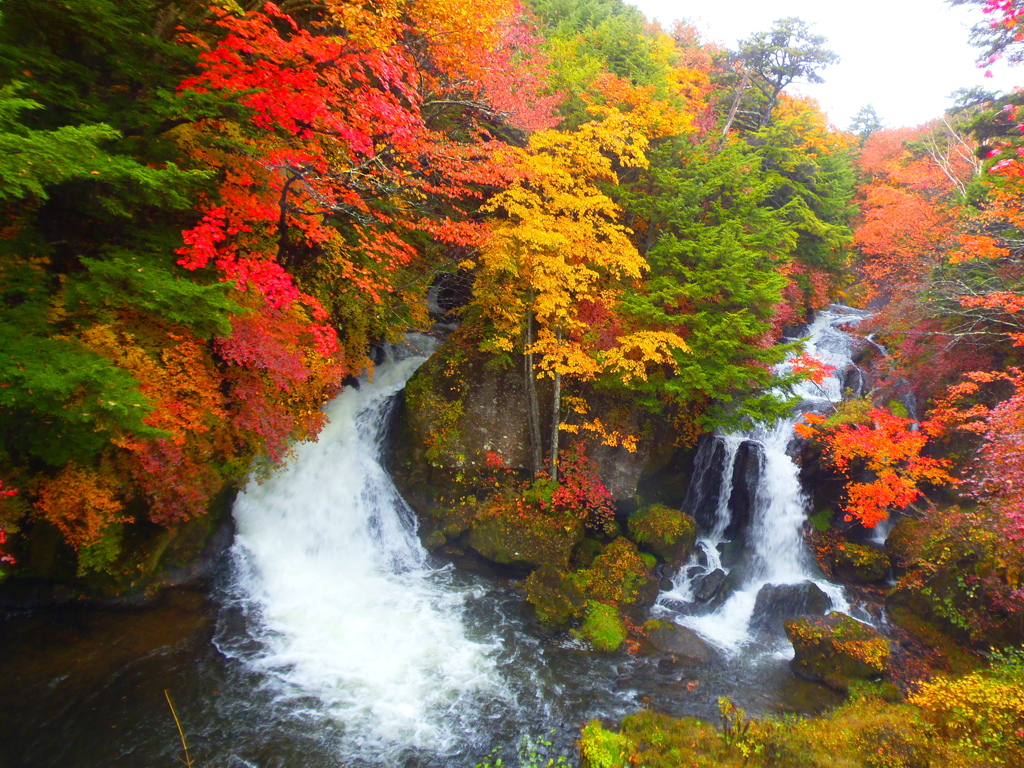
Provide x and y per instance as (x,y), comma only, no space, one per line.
(556,410)
(536,448)
(732,110)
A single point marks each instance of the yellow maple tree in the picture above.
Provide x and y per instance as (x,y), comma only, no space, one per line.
(559,246)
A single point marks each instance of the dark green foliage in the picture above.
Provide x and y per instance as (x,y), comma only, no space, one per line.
(154,286)
(785,54)
(714,274)
(587,38)
(866,122)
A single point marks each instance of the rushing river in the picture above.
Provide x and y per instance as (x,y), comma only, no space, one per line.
(333,639)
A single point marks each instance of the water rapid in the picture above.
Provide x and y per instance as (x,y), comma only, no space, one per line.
(771,549)
(341,605)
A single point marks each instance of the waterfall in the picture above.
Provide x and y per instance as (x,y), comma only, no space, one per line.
(774,550)
(346,618)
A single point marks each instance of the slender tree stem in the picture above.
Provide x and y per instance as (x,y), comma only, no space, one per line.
(556,411)
(181,733)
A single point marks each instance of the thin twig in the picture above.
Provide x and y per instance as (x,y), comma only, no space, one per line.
(187,761)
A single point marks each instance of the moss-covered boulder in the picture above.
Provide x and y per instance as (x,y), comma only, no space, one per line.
(445,523)
(601,748)
(859,564)
(618,576)
(507,534)
(837,650)
(555,595)
(459,406)
(667,532)
(603,627)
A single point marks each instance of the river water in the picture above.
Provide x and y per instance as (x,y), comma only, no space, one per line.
(333,639)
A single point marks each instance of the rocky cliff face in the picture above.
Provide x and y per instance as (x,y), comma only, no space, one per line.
(461,407)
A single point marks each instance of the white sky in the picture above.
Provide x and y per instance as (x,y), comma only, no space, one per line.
(904,57)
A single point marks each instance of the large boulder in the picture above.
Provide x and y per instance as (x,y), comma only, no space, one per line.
(683,646)
(461,409)
(906,543)
(667,532)
(837,650)
(458,408)
(502,535)
(776,603)
(555,595)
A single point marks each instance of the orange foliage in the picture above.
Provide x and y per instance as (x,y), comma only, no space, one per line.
(81,503)
(909,216)
(889,450)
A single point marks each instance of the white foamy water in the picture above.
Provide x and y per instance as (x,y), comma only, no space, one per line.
(775,548)
(351,621)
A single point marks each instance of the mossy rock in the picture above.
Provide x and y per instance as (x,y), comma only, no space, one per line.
(586,553)
(555,595)
(603,627)
(906,543)
(618,576)
(504,534)
(837,650)
(859,564)
(684,646)
(667,532)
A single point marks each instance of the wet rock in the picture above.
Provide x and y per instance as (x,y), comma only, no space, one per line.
(672,604)
(852,380)
(906,542)
(708,585)
(863,351)
(702,496)
(730,554)
(837,650)
(746,475)
(859,564)
(682,646)
(695,570)
(778,602)
(701,555)
(666,584)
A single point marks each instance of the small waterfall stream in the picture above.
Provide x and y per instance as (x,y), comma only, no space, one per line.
(773,549)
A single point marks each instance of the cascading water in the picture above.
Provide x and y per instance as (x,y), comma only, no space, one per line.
(774,551)
(340,600)
(336,642)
